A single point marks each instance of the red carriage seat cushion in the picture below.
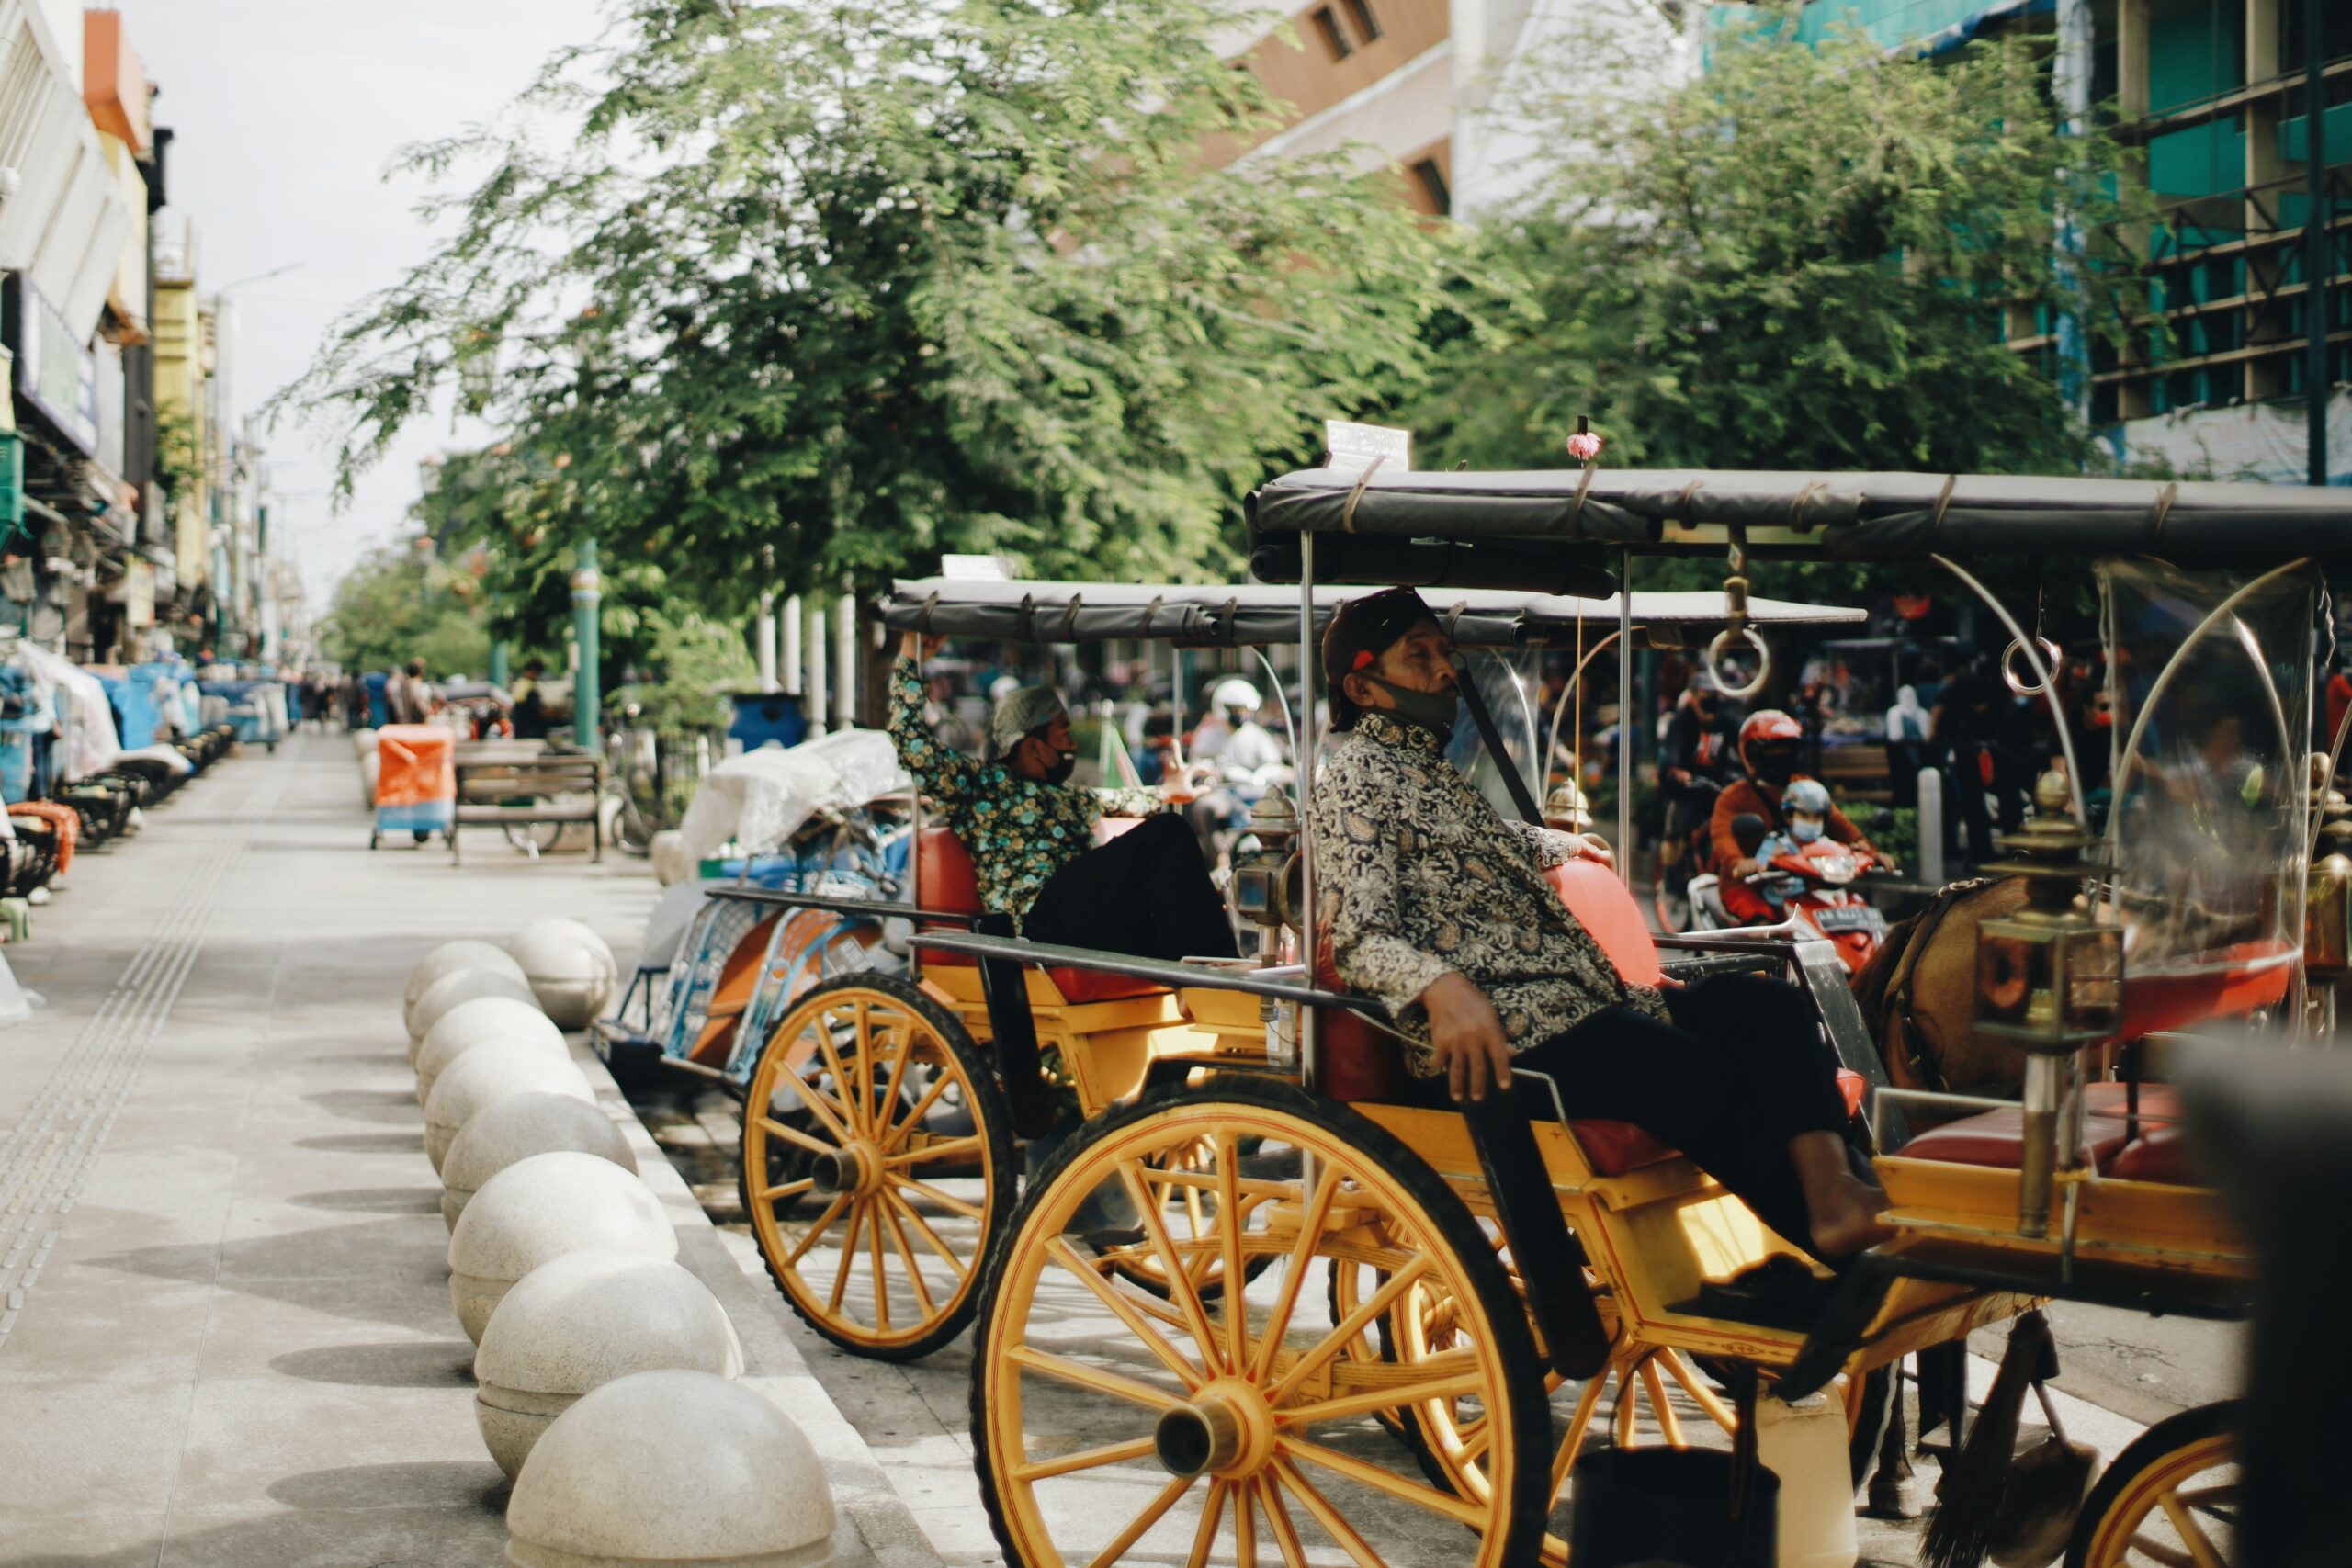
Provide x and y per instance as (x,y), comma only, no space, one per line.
(1995,1138)
(950,884)
(1607,908)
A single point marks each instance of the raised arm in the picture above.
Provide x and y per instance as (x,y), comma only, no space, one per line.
(940,772)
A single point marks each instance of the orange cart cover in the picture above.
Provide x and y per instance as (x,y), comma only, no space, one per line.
(416,764)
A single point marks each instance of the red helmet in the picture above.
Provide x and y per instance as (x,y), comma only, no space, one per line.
(1768,743)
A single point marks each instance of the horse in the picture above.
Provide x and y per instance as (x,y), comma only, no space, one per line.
(1918,994)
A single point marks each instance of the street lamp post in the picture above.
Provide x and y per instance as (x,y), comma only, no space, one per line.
(587,593)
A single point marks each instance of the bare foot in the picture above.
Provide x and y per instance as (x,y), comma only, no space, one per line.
(1847,1219)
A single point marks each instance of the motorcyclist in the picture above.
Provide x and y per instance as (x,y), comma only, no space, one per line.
(1694,763)
(1770,745)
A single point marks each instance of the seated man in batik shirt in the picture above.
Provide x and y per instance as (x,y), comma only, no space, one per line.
(1437,906)
(1030,831)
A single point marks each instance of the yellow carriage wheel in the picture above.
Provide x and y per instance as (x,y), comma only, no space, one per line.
(2170,1498)
(877,1166)
(1112,1425)
(1191,1217)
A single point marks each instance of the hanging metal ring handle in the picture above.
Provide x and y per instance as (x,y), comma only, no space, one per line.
(2051,654)
(1715,650)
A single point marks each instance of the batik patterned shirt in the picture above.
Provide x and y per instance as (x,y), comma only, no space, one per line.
(1018,832)
(1418,877)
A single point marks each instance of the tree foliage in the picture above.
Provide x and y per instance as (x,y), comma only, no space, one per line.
(401,603)
(823,288)
(1799,259)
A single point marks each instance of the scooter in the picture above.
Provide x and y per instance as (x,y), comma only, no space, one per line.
(1813,886)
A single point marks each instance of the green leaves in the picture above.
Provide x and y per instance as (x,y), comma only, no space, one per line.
(838,286)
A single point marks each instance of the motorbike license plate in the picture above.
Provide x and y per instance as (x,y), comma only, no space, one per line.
(1861,917)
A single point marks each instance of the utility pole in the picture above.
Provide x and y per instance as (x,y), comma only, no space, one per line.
(587,593)
(2319,241)
(793,685)
(763,639)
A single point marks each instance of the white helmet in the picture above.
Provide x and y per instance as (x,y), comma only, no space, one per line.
(1236,693)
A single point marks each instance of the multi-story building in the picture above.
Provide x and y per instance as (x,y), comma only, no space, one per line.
(2213,95)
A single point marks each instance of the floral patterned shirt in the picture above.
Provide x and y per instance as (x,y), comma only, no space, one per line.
(1417,876)
(1018,832)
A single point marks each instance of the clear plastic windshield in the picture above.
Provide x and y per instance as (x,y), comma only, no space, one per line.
(2209,683)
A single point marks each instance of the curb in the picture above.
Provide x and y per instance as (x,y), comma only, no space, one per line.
(875,1525)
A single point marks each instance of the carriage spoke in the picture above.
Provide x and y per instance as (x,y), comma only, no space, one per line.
(1701,1394)
(1355,1324)
(1245,1524)
(906,1255)
(946,1200)
(1670,1426)
(851,1114)
(1144,1521)
(881,1274)
(865,1067)
(1230,1220)
(822,1223)
(914,1115)
(1587,1401)
(1167,1355)
(1295,1273)
(1047,1364)
(1278,1520)
(2193,1535)
(788,1189)
(823,1109)
(1085,1458)
(1364,1472)
(1211,1511)
(1625,1411)
(849,1256)
(790,1134)
(1456,1386)
(1179,1283)
(949,1148)
(922,1229)
(1334,1524)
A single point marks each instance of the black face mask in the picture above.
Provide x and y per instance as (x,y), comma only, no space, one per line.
(1059,770)
(1431,710)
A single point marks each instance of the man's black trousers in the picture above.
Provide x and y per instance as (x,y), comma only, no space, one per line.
(1147,892)
(1740,1070)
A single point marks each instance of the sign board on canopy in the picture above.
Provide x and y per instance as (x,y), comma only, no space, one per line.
(1356,447)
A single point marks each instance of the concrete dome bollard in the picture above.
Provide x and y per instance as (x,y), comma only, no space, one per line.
(511,1130)
(453,991)
(447,959)
(569,968)
(480,1022)
(363,742)
(539,1209)
(371,769)
(485,1076)
(577,1323)
(677,1468)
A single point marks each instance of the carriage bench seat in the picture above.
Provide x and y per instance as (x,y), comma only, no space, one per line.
(1361,1063)
(949,884)
(1995,1138)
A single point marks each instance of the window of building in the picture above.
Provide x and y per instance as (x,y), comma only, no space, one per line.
(1367,25)
(1335,36)
(1433,180)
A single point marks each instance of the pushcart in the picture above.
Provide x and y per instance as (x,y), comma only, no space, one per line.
(416,783)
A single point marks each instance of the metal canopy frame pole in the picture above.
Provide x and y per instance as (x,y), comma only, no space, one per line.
(1625,718)
(1309,1027)
(2319,239)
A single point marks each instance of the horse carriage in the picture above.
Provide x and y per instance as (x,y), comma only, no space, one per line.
(875,1114)
(1478,1336)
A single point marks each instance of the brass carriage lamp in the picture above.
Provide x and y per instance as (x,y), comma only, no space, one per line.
(1265,879)
(2050,977)
(2327,897)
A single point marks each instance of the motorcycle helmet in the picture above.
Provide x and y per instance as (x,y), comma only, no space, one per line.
(1807,807)
(1769,741)
(1236,696)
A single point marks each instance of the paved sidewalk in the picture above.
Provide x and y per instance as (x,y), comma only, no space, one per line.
(225,1335)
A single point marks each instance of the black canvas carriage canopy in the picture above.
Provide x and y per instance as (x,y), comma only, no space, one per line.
(1848,517)
(1257,616)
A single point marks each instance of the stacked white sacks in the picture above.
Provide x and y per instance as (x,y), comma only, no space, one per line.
(445,960)
(485,1020)
(569,968)
(511,1130)
(579,1322)
(483,1077)
(538,1210)
(677,1468)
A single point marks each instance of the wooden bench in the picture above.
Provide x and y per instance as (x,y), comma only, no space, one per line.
(507,785)
(1860,773)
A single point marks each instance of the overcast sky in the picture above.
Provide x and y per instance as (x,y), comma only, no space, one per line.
(287,112)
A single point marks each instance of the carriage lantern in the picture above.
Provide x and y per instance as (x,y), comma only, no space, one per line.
(1265,879)
(2328,901)
(2049,977)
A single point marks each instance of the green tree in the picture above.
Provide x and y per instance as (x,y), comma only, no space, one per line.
(400,603)
(820,288)
(1800,259)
